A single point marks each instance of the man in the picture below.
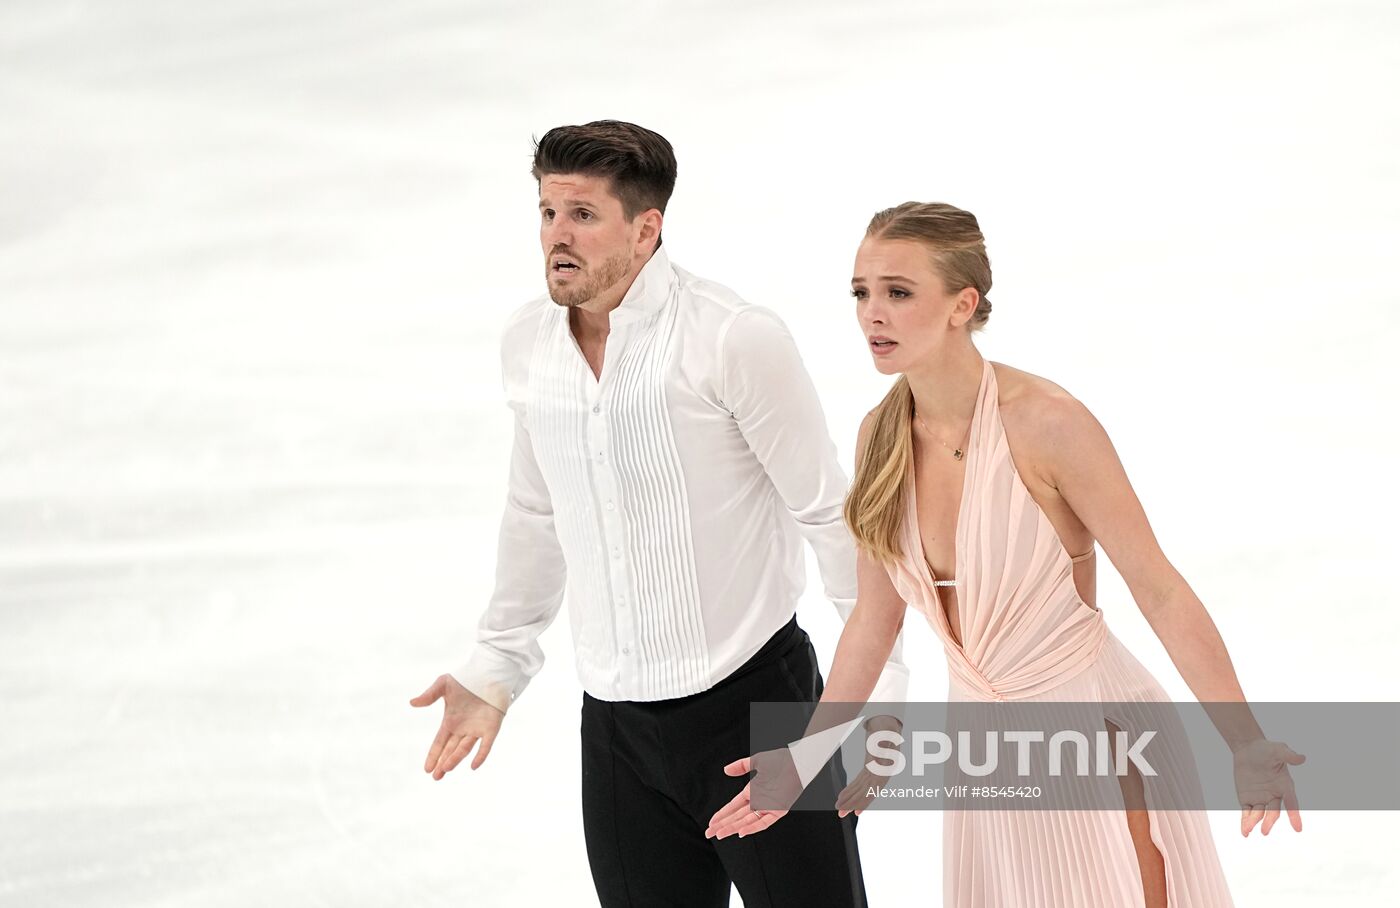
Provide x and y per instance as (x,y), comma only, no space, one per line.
(670,452)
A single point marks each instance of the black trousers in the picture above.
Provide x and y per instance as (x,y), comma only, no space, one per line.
(653,775)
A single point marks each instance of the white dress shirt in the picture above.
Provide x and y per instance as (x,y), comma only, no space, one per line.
(672,492)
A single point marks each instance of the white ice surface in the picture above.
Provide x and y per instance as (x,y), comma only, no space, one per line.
(254,260)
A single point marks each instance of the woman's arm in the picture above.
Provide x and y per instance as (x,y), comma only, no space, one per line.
(1075,455)
(868,637)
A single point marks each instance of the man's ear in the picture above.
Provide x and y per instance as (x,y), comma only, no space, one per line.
(649,235)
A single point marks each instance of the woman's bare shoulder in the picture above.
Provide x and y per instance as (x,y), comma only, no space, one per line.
(1035,404)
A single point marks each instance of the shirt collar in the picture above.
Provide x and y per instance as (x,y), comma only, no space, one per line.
(649,291)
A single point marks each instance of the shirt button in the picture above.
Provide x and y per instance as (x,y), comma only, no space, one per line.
(616,551)
(595,408)
(625,651)
(610,506)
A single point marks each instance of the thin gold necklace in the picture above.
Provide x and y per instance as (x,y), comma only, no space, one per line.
(959,450)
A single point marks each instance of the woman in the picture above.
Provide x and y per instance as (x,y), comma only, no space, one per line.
(980,493)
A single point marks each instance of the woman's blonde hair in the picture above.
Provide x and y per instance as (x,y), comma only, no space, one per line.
(874,508)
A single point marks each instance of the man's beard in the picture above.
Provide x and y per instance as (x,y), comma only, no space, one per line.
(576,293)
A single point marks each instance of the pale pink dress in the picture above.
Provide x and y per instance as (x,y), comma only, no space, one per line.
(1028,636)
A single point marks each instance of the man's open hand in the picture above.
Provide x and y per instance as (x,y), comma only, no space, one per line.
(466,720)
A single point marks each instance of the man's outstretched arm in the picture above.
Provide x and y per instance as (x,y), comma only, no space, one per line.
(529,589)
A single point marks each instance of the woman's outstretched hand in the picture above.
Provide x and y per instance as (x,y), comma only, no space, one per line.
(864,788)
(1264,784)
(857,796)
(775,785)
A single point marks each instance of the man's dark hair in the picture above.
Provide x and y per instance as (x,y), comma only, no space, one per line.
(639,162)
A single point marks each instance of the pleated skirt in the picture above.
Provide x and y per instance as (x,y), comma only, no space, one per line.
(1029,858)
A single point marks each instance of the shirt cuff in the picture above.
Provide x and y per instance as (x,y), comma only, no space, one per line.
(492,677)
